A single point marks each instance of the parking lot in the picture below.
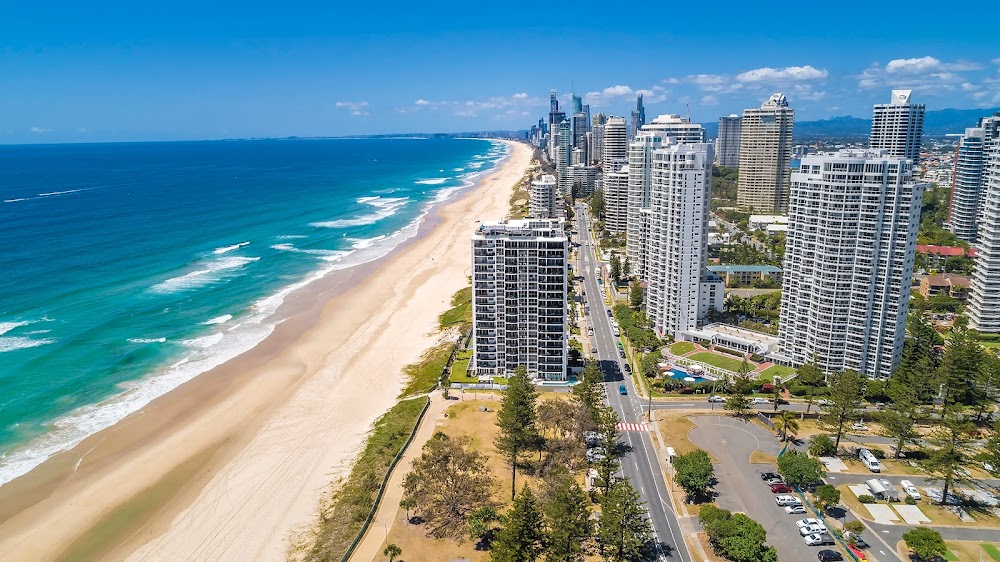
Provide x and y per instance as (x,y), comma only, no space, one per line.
(740,487)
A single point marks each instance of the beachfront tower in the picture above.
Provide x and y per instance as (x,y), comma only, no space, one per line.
(984,297)
(564,154)
(765,156)
(969,177)
(615,144)
(616,200)
(898,126)
(852,234)
(519,298)
(727,145)
(542,203)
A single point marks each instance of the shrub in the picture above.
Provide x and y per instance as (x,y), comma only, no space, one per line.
(878,453)
(822,446)
(865,498)
(756,358)
(910,501)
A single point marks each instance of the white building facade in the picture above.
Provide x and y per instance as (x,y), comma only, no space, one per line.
(615,191)
(852,232)
(969,178)
(542,198)
(984,295)
(727,145)
(519,298)
(898,126)
(615,144)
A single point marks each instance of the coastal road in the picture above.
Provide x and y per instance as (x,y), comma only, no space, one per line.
(641,466)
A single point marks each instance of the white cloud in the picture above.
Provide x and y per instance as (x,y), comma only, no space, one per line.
(787,74)
(927,64)
(996,61)
(520,96)
(356,107)
(709,100)
(705,79)
(969,87)
(422,102)
(618,90)
(40,130)
(465,113)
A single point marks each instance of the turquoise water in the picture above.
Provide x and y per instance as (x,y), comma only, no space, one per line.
(127,269)
(680,375)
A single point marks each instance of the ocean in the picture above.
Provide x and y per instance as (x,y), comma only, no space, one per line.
(127,269)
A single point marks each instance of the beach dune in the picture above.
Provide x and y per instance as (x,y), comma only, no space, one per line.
(229,465)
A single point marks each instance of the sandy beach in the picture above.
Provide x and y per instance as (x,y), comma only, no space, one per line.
(229,465)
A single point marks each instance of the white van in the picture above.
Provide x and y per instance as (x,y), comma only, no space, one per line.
(869,460)
(910,489)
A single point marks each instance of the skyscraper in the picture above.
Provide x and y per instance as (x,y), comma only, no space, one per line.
(586,111)
(898,126)
(597,145)
(564,155)
(579,129)
(519,298)
(727,145)
(542,197)
(616,200)
(555,118)
(638,117)
(577,104)
(681,289)
(969,179)
(852,234)
(615,144)
(765,156)
(984,297)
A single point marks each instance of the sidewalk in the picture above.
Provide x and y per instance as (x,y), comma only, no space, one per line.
(373,543)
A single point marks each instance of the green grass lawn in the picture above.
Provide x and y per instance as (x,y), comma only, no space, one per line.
(682,347)
(716,360)
(769,373)
(460,313)
(460,368)
(993,551)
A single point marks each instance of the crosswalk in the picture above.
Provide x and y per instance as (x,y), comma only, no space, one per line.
(626,426)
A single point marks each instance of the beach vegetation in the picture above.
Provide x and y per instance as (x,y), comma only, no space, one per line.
(566,511)
(847,389)
(741,387)
(448,483)
(521,536)
(822,446)
(810,376)
(624,532)
(460,314)
(481,526)
(517,420)
(827,496)
(392,551)
(344,512)
(424,374)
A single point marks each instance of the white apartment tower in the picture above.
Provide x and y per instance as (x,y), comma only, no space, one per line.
(615,144)
(616,200)
(727,145)
(597,140)
(563,155)
(984,297)
(969,179)
(898,126)
(542,202)
(852,234)
(765,156)
(681,289)
(519,298)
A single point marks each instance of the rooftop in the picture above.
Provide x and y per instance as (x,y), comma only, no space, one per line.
(946,250)
(744,269)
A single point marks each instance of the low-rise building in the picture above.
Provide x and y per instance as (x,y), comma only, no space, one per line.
(745,275)
(951,284)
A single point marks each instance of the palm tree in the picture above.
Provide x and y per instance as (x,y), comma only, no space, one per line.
(787,424)
(392,551)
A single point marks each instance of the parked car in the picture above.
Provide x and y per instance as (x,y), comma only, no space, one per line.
(622,390)
(829,556)
(621,353)
(809,521)
(813,530)
(818,540)
(759,400)
(594,455)
(785,500)
(716,398)
(781,488)
(910,489)
(773,481)
(858,426)
(609,313)
(795,509)
(593,350)
(628,369)
(769,475)
(824,402)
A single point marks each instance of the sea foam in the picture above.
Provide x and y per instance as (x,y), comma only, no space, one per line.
(147,340)
(211,272)
(226,249)
(218,320)
(432,181)
(385,207)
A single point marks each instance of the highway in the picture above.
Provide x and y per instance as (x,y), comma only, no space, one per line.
(640,466)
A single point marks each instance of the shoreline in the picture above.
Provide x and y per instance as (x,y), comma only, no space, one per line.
(229,464)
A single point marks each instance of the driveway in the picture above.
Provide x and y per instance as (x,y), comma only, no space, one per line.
(731,442)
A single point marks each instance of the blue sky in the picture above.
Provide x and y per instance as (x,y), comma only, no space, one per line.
(100,70)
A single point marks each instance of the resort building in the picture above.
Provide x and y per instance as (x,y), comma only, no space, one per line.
(615,143)
(968,179)
(616,200)
(727,145)
(542,202)
(852,233)
(747,275)
(681,290)
(765,156)
(951,284)
(736,339)
(984,300)
(519,298)
(898,127)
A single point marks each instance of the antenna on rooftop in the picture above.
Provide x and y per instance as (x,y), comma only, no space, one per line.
(687,109)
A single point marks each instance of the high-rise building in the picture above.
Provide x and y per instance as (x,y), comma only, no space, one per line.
(584,178)
(638,117)
(519,298)
(727,145)
(555,118)
(542,197)
(765,156)
(597,144)
(577,104)
(586,111)
(898,126)
(616,200)
(984,297)
(681,289)
(640,159)
(579,129)
(615,143)
(968,179)
(564,155)
(852,234)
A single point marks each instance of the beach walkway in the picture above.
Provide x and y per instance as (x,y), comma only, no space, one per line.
(373,543)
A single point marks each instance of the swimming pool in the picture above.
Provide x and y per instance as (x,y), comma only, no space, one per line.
(680,375)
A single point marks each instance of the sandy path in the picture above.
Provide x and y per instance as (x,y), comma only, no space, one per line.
(335,380)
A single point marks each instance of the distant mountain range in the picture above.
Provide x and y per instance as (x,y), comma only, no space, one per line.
(936,123)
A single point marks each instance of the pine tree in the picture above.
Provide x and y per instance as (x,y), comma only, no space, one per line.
(741,385)
(520,538)
(624,530)
(952,440)
(567,516)
(517,419)
(607,429)
(847,389)
(810,376)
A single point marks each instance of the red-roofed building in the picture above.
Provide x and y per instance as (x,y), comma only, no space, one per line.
(937,254)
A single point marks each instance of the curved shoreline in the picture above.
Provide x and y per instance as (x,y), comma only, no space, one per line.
(226,465)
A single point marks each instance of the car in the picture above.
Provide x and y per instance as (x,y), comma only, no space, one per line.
(621,353)
(910,489)
(594,455)
(818,539)
(761,401)
(786,500)
(857,426)
(620,345)
(628,369)
(616,332)
(781,488)
(716,398)
(769,475)
(807,522)
(773,481)
(829,556)
(795,509)
(609,313)
(622,390)
(856,540)
(593,350)
(824,402)
(813,530)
